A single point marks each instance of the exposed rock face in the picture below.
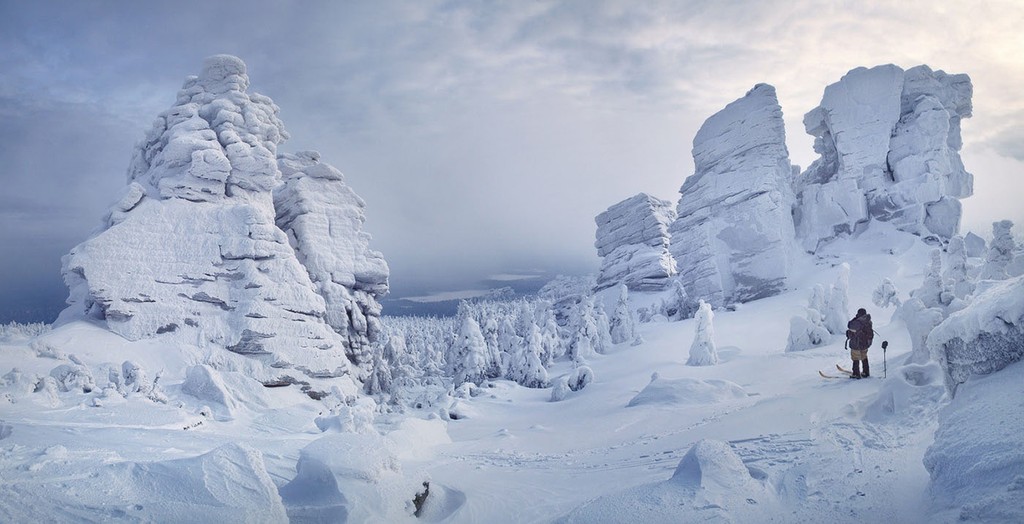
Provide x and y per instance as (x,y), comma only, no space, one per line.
(889,142)
(324,217)
(193,247)
(633,241)
(732,238)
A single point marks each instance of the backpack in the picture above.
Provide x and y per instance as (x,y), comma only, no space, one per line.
(859,334)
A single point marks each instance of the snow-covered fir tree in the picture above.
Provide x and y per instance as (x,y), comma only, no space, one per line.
(1000,252)
(623,328)
(957,269)
(837,310)
(526,367)
(933,291)
(469,354)
(703,351)
(602,337)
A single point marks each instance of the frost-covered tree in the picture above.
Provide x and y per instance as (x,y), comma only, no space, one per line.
(623,328)
(837,310)
(602,340)
(703,351)
(380,380)
(807,332)
(956,273)
(551,342)
(932,292)
(1000,252)
(679,305)
(526,367)
(469,354)
(920,321)
(508,344)
(886,294)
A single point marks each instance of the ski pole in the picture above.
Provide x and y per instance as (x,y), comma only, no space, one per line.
(885,344)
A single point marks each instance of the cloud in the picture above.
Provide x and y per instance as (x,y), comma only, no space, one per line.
(483,136)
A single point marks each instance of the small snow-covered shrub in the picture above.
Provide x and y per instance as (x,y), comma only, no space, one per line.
(703,351)
(886,294)
(580,378)
(74,378)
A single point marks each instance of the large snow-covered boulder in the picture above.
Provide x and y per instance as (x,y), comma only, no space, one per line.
(192,247)
(984,337)
(633,243)
(324,218)
(889,142)
(732,238)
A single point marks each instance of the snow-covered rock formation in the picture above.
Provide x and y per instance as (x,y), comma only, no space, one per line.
(732,238)
(633,242)
(889,142)
(324,219)
(193,248)
(984,337)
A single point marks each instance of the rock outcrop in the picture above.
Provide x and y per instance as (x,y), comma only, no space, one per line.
(324,217)
(633,241)
(733,238)
(889,142)
(193,247)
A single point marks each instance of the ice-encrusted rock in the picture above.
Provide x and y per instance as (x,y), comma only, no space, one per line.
(985,337)
(732,238)
(193,247)
(976,246)
(889,142)
(633,243)
(324,218)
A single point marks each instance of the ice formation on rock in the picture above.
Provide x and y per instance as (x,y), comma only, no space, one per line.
(633,242)
(732,238)
(985,336)
(889,142)
(976,246)
(192,246)
(324,218)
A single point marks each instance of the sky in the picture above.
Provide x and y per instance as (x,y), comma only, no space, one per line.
(483,136)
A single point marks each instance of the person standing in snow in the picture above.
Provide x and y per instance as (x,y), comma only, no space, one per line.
(859,334)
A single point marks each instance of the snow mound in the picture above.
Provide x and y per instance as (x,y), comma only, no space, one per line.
(228,392)
(710,483)
(684,391)
(910,397)
(228,484)
(985,336)
(351,477)
(976,462)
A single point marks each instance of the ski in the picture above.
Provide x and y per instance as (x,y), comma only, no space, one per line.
(844,370)
(823,375)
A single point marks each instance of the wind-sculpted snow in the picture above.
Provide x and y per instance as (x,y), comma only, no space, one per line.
(975,462)
(325,219)
(192,247)
(984,337)
(732,238)
(633,241)
(889,142)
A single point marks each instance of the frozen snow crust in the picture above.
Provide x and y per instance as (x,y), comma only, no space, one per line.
(212,242)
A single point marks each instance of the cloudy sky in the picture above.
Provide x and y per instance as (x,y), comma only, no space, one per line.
(484,136)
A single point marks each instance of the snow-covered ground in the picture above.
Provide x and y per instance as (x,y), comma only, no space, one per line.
(758,437)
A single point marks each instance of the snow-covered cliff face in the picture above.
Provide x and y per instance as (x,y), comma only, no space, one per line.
(889,142)
(324,218)
(193,248)
(733,238)
(633,242)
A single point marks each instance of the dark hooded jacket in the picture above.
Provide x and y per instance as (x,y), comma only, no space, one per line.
(860,332)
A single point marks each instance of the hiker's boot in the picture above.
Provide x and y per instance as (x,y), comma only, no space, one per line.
(856,369)
(867,371)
